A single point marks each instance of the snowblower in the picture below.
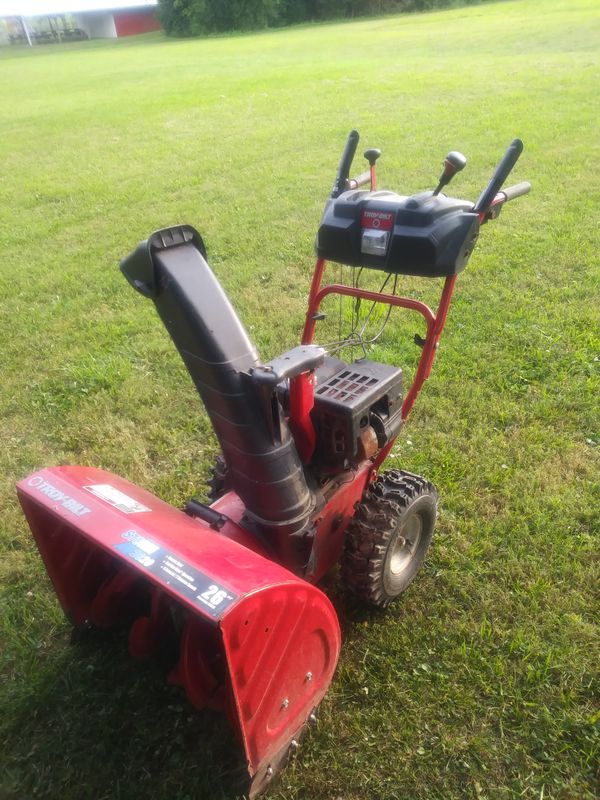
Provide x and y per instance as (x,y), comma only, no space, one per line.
(297,486)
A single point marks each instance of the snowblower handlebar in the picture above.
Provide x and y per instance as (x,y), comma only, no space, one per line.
(504,196)
(512,192)
(501,173)
(360,180)
(341,179)
(428,234)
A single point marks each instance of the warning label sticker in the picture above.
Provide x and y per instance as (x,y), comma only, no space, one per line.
(116,498)
(194,584)
(173,571)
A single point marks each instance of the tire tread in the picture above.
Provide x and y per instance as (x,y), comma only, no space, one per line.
(370,532)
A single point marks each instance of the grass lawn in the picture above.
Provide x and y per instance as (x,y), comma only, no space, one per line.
(482,682)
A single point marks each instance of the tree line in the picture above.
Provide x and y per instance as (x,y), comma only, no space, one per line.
(194,17)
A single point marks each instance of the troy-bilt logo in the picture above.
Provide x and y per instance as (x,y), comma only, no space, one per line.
(37,482)
(381,220)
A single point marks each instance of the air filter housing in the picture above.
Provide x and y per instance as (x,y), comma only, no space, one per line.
(359,395)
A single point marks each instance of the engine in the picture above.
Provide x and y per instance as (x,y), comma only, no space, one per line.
(358,409)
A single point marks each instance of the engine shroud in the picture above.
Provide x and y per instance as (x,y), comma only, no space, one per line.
(357,396)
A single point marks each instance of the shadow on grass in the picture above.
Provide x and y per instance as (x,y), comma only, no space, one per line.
(87,722)
(351,611)
(97,724)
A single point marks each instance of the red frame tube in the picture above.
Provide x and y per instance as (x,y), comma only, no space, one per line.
(373,178)
(364,294)
(435,322)
(435,325)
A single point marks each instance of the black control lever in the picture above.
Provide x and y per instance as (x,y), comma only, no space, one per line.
(510,158)
(341,179)
(453,163)
(372,155)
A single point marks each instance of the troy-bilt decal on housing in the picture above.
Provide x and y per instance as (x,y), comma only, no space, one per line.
(381,220)
(116,498)
(175,572)
(376,227)
(68,503)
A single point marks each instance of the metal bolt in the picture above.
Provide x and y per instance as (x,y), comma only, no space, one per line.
(309,676)
(293,745)
(285,702)
(269,772)
(337,521)
(312,718)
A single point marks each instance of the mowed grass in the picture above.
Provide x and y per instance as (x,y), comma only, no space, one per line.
(482,681)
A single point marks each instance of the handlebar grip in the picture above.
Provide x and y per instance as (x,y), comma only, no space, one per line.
(343,172)
(360,180)
(518,190)
(501,173)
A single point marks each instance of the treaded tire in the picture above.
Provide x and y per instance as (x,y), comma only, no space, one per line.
(388,537)
(217,482)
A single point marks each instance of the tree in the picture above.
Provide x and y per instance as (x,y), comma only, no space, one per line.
(182,17)
(193,17)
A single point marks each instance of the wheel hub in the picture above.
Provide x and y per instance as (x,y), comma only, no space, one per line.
(406,544)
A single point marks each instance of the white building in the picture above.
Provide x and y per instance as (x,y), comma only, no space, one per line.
(43,21)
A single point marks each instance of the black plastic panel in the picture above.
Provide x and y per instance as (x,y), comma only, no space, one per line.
(358,395)
(420,235)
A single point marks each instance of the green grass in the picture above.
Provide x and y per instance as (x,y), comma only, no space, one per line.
(482,682)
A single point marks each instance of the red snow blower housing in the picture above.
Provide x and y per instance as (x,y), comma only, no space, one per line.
(296,487)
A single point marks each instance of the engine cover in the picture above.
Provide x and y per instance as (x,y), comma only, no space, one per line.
(361,395)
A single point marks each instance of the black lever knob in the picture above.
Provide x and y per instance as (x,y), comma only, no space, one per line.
(372,155)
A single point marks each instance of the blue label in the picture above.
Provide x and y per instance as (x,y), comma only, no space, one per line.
(188,581)
(136,554)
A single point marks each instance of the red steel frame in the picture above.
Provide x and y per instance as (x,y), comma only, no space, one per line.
(434,322)
(332,522)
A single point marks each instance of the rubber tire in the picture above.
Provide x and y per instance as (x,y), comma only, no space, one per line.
(381,517)
(217,482)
